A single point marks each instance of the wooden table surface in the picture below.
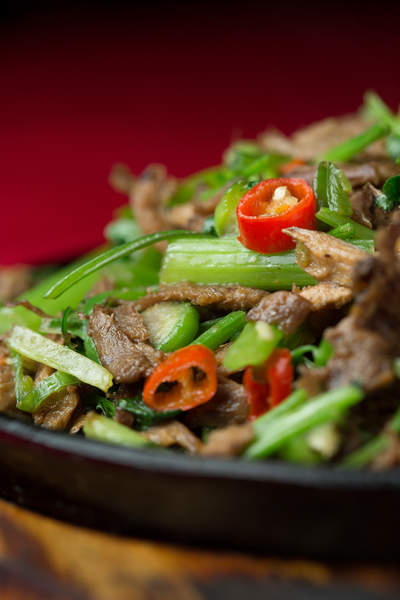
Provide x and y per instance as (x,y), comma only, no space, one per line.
(45,559)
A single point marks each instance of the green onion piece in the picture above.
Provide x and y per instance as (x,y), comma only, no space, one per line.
(332,188)
(366,454)
(334,220)
(321,409)
(376,109)
(348,149)
(225,221)
(53,306)
(171,325)
(296,399)
(253,346)
(321,354)
(223,330)
(102,429)
(29,395)
(38,348)
(297,450)
(226,261)
(204,325)
(109,256)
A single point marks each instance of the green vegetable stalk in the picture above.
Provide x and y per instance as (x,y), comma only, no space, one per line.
(335,220)
(321,409)
(102,429)
(223,330)
(29,395)
(38,348)
(206,260)
(348,149)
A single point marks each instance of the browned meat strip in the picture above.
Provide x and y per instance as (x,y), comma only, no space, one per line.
(229,406)
(57,410)
(77,423)
(326,295)
(365,210)
(324,257)
(222,297)
(229,441)
(127,360)
(285,309)
(129,320)
(149,195)
(14,281)
(7,381)
(317,138)
(121,178)
(124,417)
(366,342)
(172,434)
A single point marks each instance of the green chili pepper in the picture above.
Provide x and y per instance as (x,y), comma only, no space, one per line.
(171,325)
(253,346)
(225,220)
(332,188)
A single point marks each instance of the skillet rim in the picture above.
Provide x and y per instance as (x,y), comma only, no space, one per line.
(168,462)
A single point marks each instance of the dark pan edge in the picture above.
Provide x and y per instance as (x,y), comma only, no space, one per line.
(170,462)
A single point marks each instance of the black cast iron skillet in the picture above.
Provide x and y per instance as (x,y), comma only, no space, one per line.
(260,506)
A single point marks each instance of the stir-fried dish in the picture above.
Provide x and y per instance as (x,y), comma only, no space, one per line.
(249,310)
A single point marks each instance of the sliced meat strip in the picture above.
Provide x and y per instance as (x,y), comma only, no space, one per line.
(130,322)
(365,210)
(366,342)
(285,309)
(127,360)
(124,417)
(317,138)
(228,406)
(149,195)
(324,257)
(14,281)
(326,295)
(222,297)
(174,433)
(229,441)
(56,411)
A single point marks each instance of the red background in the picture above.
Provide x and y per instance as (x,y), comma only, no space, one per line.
(84,88)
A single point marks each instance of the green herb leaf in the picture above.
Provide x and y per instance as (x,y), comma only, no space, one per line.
(390,197)
(144,415)
(332,188)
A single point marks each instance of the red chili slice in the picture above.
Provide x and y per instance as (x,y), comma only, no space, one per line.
(185,379)
(261,228)
(267,386)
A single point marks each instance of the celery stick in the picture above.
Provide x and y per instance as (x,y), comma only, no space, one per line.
(38,348)
(226,261)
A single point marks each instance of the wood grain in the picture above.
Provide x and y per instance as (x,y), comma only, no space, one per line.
(41,558)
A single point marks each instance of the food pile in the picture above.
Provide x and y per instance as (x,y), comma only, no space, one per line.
(249,310)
